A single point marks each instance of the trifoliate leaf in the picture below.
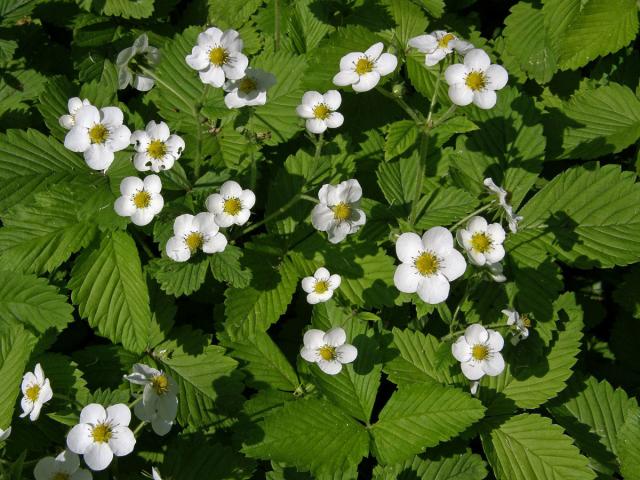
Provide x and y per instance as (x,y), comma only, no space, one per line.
(311,434)
(530,447)
(421,415)
(15,345)
(112,270)
(451,466)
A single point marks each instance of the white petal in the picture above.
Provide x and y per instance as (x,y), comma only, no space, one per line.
(434,58)
(98,157)
(494,365)
(77,139)
(93,413)
(472,370)
(334,281)
(485,99)
(158,130)
(424,43)
(213,76)
(119,138)
(248,199)
(464,238)
(66,121)
(453,265)
(79,438)
(406,278)
(81,474)
(130,186)
(242,217)
(74,104)
(112,116)
(386,64)
(334,120)
(215,203)
(224,220)
(161,427)
(308,283)
(231,189)
(477,258)
(332,367)
(313,338)
(175,145)
(461,350)
(152,184)
(345,77)
(122,441)
(215,243)
(304,111)
(366,82)
(495,254)
(310,354)
(477,60)
(408,247)
(87,116)
(335,337)
(460,94)
(143,83)
(322,274)
(98,456)
(347,353)
(39,373)
(438,239)
(321,217)
(496,232)
(46,393)
(312,98)
(35,412)
(27,407)
(314,298)
(184,224)
(167,406)
(142,216)
(177,250)
(237,66)
(495,341)
(433,289)
(477,224)
(348,62)
(456,74)
(475,334)
(198,59)
(497,77)
(338,232)
(374,51)
(205,222)
(332,99)
(45,469)
(316,125)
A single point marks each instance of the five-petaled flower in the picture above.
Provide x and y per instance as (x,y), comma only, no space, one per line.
(218,56)
(157,149)
(36,391)
(98,134)
(129,61)
(437,45)
(478,352)
(502,195)
(320,286)
(159,404)
(250,90)
(363,70)
(338,212)
(521,324)
(193,233)
(482,242)
(74,104)
(66,466)
(232,206)
(328,350)
(428,264)
(476,80)
(320,111)
(140,200)
(101,434)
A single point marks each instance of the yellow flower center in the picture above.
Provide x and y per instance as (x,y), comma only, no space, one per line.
(526,321)
(327,352)
(479,352)
(98,133)
(476,80)
(160,384)
(427,264)
(156,149)
(61,476)
(194,241)
(321,287)
(232,206)
(247,85)
(342,211)
(33,392)
(444,41)
(321,111)
(364,65)
(481,242)
(142,199)
(218,56)
(101,433)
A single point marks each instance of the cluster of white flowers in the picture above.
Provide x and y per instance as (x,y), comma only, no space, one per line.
(219,60)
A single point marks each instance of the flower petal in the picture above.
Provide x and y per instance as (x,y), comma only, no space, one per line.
(334,120)
(335,337)
(77,139)
(98,157)
(408,247)
(177,250)
(374,51)
(406,278)
(494,365)
(477,60)
(433,289)
(93,413)
(345,77)
(386,64)
(497,77)
(308,283)
(310,354)
(485,99)
(231,189)
(98,456)
(424,43)
(332,367)
(322,217)
(316,125)
(495,341)
(475,334)
(348,62)
(347,353)
(130,186)
(213,76)
(495,254)
(366,82)
(79,438)
(313,338)
(460,94)
(119,414)
(332,99)
(112,116)
(438,239)
(215,243)
(453,265)
(312,98)
(456,74)
(496,232)
(461,350)
(161,426)
(477,224)
(248,199)
(122,441)
(472,370)
(45,469)
(334,281)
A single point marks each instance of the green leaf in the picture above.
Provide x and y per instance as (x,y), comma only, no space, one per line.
(29,162)
(305,30)
(573,24)
(52,104)
(128,9)
(31,301)
(421,415)
(529,446)
(15,345)
(409,18)
(64,377)
(311,434)
(587,216)
(425,79)
(108,286)
(453,466)
(401,136)
(605,120)
(226,267)
(398,180)
(179,278)
(628,453)
(444,205)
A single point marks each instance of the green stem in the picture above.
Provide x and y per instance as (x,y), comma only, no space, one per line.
(138,428)
(473,214)
(319,144)
(434,98)
(309,198)
(135,401)
(445,115)
(415,116)
(140,239)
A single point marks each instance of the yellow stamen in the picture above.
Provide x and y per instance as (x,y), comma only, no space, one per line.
(321,286)
(526,321)
(160,384)
(101,433)
(444,41)
(232,206)
(364,65)
(33,392)
(156,149)
(247,85)
(194,241)
(327,352)
(218,56)
(321,111)
(98,133)
(481,242)
(480,352)
(427,264)
(476,80)
(342,211)
(142,199)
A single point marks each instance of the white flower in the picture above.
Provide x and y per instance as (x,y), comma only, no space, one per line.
(4,434)
(157,148)
(478,352)
(250,90)
(476,80)
(140,53)
(218,56)
(363,70)
(495,271)
(73,105)
(155,474)
(102,434)
(338,212)
(438,45)
(159,404)
(320,287)
(37,391)
(328,350)
(512,218)
(428,264)
(521,324)
(482,242)
(232,206)
(320,110)
(65,466)
(140,200)
(97,134)
(195,233)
